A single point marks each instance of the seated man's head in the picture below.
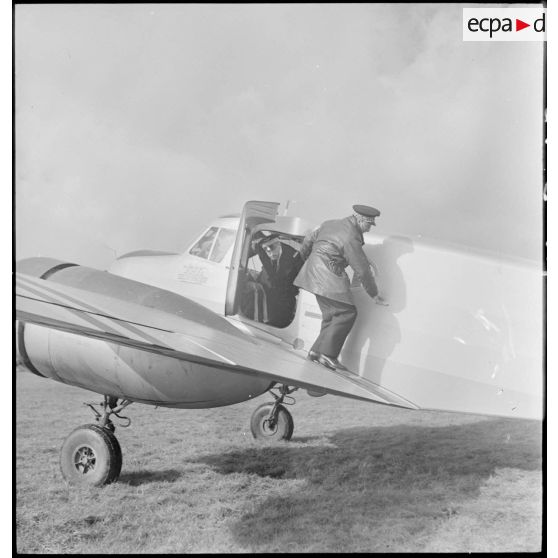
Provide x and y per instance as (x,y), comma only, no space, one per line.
(272,247)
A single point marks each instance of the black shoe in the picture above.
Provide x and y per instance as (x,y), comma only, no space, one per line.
(313,356)
(338,365)
(321,359)
(327,362)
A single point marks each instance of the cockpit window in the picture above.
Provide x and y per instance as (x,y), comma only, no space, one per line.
(224,241)
(214,244)
(203,246)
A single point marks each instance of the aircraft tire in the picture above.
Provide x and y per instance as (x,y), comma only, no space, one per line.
(91,455)
(259,423)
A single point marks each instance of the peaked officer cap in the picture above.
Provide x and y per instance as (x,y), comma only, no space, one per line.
(366,211)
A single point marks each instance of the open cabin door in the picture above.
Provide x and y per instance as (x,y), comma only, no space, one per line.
(254,213)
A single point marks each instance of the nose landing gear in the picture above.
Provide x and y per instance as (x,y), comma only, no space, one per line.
(91,454)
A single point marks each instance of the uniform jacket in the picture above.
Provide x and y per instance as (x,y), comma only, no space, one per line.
(327,251)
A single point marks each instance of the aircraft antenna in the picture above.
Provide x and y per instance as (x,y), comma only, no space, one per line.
(287,207)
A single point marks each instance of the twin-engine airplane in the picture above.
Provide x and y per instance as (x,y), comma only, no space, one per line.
(463,332)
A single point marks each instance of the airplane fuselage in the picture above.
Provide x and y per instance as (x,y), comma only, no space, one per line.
(461,329)
(462,332)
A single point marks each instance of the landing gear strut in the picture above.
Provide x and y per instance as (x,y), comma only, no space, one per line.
(91,454)
(110,407)
(272,420)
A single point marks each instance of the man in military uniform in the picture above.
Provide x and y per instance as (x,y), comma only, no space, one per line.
(326,252)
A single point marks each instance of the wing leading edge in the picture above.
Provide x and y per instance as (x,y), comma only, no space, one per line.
(89,314)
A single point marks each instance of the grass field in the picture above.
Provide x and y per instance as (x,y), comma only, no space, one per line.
(356,477)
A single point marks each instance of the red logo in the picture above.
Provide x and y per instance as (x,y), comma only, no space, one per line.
(519,25)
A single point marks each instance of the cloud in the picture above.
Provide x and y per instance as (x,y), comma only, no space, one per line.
(137,123)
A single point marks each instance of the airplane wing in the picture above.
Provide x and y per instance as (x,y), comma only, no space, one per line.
(197,335)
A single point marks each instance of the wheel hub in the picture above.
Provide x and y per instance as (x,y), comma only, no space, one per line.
(85,459)
(269,426)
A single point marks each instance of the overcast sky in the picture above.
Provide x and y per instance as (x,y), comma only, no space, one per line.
(136,124)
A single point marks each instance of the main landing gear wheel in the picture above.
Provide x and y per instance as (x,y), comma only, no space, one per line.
(265,423)
(272,420)
(91,455)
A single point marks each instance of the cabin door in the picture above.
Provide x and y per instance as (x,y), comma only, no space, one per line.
(254,213)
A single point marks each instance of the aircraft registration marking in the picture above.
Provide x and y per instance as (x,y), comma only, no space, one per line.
(191,274)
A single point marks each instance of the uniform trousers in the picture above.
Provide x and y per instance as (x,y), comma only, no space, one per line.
(337,320)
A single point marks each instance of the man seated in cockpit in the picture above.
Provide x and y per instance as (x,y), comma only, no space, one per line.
(271,296)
